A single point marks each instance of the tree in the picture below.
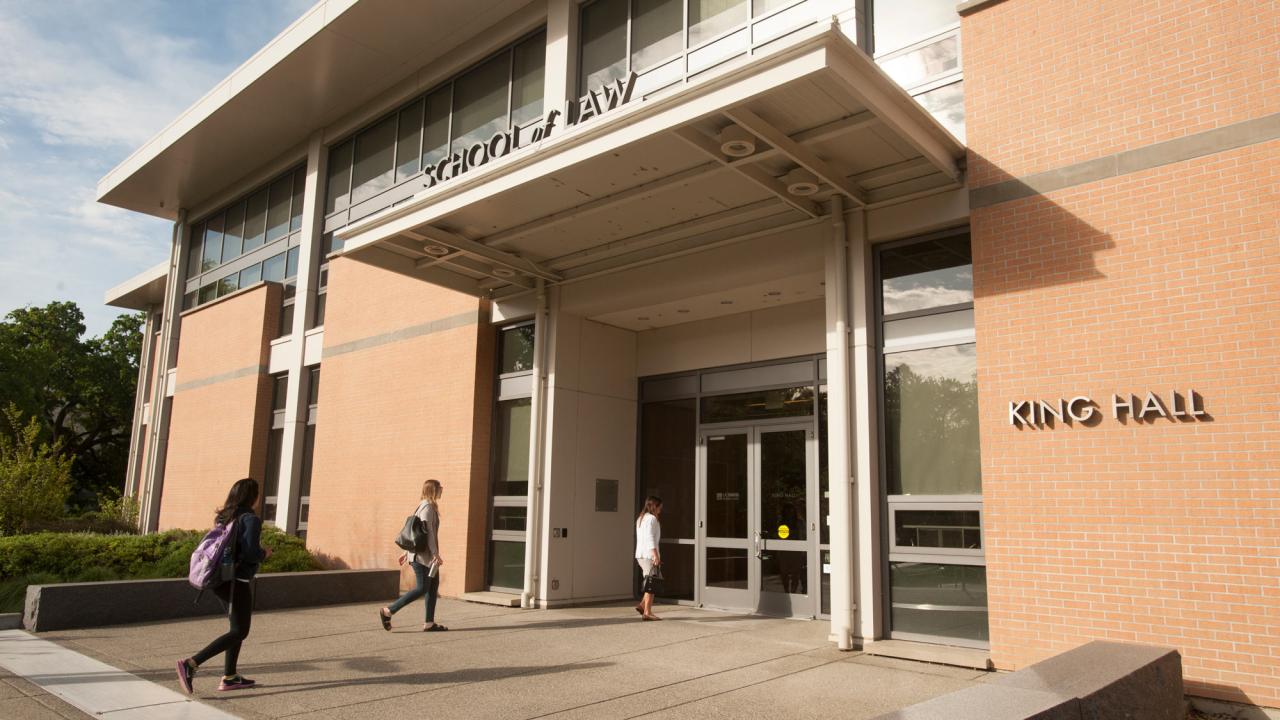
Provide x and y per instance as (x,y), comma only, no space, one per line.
(79,390)
(35,477)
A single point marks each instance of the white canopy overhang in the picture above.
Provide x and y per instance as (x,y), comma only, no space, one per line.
(649,180)
(140,292)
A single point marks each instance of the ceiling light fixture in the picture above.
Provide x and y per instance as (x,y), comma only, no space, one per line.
(800,182)
(504,272)
(737,142)
(436,250)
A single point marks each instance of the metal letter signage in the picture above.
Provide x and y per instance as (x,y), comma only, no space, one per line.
(1082,409)
(501,144)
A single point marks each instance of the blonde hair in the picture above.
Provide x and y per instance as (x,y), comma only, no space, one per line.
(431,491)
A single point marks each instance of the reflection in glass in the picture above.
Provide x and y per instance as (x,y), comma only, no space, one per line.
(785,571)
(374,160)
(726,568)
(278,209)
(824,485)
(898,24)
(726,499)
(409,142)
(783,482)
(938,529)
(510,518)
(668,432)
(708,18)
(228,284)
(251,275)
(758,404)
(255,221)
(604,44)
(271,482)
(195,250)
(480,102)
(291,262)
(511,476)
(516,353)
(435,133)
(299,189)
(212,243)
(946,105)
(913,68)
(677,571)
(209,292)
(928,274)
(526,81)
(939,600)
(339,182)
(233,239)
(273,268)
(931,421)
(507,570)
(825,605)
(655,31)
(764,7)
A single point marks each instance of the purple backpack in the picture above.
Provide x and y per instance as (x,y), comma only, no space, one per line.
(213,563)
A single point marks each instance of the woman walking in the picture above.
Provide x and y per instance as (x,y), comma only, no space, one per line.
(648,532)
(237,594)
(425,564)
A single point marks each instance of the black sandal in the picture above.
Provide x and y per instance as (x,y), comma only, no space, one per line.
(436,628)
(386,620)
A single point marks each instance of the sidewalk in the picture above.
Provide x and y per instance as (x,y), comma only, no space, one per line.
(600,662)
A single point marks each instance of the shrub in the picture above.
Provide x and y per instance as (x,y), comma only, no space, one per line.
(13,592)
(34,479)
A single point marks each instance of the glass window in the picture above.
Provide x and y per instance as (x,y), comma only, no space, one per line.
(339,181)
(209,292)
(374,160)
(932,60)
(508,564)
(668,433)
(510,518)
(195,252)
(897,24)
(273,268)
(313,387)
(726,486)
(213,243)
(951,529)
(291,262)
(929,274)
(726,568)
(656,28)
(286,321)
(229,284)
(278,210)
(435,134)
(318,317)
(783,484)
(678,564)
(271,482)
(764,7)
(783,402)
(233,238)
(709,18)
(516,352)
(251,275)
(604,43)
(409,142)
(189,300)
(279,391)
(946,105)
(480,102)
(295,205)
(931,421)
(526,79)
(255,223)
(511,475)
(939,600)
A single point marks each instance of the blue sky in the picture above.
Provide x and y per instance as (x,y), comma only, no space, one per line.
(83,83)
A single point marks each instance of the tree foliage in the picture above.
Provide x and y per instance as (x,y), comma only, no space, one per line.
(79,389)
(35,478)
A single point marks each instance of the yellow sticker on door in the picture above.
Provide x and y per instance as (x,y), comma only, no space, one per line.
(783,532)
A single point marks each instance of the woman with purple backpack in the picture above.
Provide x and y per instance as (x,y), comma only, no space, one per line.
(236,593)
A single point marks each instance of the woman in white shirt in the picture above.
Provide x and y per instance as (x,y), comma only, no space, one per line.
(425,564)
(648,532)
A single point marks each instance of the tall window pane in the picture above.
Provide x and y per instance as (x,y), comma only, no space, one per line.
(708,18)
(897,24)
(655,31)
(409,142)
(931,421)
(604,43)
(668,432)
(926,275)
(229,284)
(517,349)
(939,600)
(526,80)
(195,252)
(435,133)
(374,160)
(273,268)
(251,275)
(299,191)
(511,476)
(480,102)
(233,239)
(255,223)
(339,181)
(278,210)
(213,243)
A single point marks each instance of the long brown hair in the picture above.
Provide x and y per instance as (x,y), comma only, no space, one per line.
(651,503)
(431,492)
(243,494)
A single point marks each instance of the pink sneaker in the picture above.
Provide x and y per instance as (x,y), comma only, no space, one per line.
(236,683)
(185,673)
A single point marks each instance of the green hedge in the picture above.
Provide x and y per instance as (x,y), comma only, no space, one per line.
(45,558)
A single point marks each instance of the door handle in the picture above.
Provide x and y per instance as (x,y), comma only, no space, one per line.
(759,549)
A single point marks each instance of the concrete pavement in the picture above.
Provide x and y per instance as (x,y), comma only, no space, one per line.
(597,662)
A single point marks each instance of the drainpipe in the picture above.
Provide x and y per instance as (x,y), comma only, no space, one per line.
(839,417)
(537,427)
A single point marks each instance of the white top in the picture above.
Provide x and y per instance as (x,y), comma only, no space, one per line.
(648,532)
(430,518)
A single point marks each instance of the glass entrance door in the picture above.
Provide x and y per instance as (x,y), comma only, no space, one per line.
(759,531)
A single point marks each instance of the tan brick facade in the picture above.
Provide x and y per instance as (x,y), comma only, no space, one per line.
(218,431)
(1163,531)
(404,396)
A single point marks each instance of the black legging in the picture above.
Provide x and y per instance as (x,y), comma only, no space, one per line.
(239,595)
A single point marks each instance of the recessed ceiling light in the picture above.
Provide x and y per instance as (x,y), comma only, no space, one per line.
(683,310)
(773,293)
(800,182)
(735,141)
(436,250)
(504,272)
(726,302)
(643,317)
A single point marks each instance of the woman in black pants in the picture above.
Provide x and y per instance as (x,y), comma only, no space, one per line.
(237,594)
(425,564)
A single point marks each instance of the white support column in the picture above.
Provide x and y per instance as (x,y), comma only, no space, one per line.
(537,443)
(295,413)
(138,430)
(166,358)
(560,69)
(867,498)
(838,429)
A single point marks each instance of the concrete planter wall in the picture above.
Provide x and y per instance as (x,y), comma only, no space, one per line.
(67,606)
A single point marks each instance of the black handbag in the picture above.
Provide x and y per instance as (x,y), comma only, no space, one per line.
(652,580)
(413,536)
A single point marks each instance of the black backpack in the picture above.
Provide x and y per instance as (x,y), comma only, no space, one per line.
(413,536)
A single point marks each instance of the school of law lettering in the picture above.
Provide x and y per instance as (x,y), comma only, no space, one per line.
(1082,409)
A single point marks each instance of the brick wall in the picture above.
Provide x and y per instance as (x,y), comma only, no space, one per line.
(400,402)
(218,427)
(1164,532)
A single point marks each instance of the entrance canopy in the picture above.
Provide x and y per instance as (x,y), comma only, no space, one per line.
(754,148)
